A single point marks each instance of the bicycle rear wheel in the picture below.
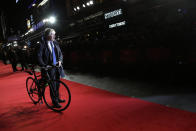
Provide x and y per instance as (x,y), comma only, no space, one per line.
(64,94)
(32,89)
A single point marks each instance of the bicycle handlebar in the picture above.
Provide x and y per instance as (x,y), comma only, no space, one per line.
(49,67)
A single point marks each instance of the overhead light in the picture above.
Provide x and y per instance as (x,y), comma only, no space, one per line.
(52,20)
(45,20)
(84,5)
(75,9)
(31,30)
(78,7)
(88,4)
(91,2)
(15,43)
(43,2)
(33,4)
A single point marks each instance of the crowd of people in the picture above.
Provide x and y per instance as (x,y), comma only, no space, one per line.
(106,48)
(14,55)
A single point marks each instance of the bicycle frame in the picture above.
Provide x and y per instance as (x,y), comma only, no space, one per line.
(47,80)
(52,86)
(35,76)
(32,72)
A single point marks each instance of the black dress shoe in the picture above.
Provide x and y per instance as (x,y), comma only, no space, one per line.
(60,100)
(57,105)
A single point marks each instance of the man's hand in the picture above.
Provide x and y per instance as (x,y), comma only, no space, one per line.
(59,63)
(48,66)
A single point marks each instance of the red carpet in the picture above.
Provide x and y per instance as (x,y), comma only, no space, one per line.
(91,109)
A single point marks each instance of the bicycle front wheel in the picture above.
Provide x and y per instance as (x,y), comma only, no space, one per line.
(32,89)
(61,95)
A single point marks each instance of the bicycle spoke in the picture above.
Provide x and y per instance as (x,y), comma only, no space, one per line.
(63,97)
(32,89)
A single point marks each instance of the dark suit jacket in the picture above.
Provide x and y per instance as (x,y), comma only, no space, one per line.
(45,56)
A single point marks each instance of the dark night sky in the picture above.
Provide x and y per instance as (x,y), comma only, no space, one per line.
(13,14)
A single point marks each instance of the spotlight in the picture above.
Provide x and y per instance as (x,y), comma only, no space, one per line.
(52,20)
(91,2)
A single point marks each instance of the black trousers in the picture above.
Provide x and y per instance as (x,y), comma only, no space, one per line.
(14,64)
(54,87)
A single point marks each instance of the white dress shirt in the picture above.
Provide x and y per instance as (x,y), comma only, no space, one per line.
(49,45)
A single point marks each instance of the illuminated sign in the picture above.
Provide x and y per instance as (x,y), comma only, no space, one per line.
(117,24)
(43,3)
(31,18)
(28,24)
(39,25)
(113,13)
(32,4)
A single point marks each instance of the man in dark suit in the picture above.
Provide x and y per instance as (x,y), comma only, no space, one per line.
(50,53)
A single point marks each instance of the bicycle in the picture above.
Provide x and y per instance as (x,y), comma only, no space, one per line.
(36,91)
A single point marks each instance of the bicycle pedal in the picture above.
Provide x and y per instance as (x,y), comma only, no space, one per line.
(35,103)
(41,102)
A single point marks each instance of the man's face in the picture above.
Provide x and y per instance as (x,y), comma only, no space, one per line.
(52,36)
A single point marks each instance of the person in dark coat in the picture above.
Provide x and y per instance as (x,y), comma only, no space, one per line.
(49,53)
(22,57)
(13,58)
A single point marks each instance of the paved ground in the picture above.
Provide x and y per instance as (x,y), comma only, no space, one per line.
(181,95)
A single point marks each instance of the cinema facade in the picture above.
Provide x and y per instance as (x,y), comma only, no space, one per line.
(122,33)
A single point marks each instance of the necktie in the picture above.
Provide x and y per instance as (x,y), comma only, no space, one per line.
(53,53)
